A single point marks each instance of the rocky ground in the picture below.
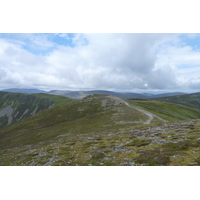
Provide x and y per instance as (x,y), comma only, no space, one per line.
(167,144)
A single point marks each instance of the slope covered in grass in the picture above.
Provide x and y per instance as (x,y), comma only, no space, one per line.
(190,100)
(167,111)
(57,100)
(16,106)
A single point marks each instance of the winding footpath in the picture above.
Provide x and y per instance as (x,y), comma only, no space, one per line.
(149,114)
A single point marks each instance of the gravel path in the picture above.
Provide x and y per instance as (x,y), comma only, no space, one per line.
(149,114)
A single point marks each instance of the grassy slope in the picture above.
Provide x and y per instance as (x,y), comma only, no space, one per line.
(190,100)
(87,133)
(167,111)
(25,104)
(7,98)
(57,100)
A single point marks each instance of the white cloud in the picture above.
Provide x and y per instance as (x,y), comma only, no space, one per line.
(109,60)
(101,61)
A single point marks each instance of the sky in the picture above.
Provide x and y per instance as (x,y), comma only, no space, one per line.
(107,61)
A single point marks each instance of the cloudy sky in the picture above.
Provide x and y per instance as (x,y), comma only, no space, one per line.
(113,61)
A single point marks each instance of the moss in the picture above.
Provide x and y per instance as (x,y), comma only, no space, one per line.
(97,155)
(139,142)
(153,157)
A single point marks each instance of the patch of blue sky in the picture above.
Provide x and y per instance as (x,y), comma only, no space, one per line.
(40,52)
(47,41)
(7,35)
(187,67)
(184,39)
(193,42)
(64,39)
(67,39)
(26,42)
(163,47)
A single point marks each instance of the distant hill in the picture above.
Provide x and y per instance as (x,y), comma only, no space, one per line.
(167,94)
(190,100)
(16,106)
(127,95)
(26,91)
(81,94)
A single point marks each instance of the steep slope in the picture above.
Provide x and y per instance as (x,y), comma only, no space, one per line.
(15,106)
(102,130)
(190,100)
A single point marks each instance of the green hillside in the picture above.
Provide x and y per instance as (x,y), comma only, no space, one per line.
(104,130)
(190,100)
(167,111)
(16,106)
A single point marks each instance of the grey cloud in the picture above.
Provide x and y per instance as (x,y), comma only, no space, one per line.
(118,61)
(2,74)
(163,78)
(126,60)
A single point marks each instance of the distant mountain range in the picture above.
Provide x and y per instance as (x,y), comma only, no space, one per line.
(26,91)
(82,94)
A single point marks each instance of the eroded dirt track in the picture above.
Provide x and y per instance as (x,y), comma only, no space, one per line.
(149,114)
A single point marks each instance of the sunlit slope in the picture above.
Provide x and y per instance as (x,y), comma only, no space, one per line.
(167,111)
(16,106)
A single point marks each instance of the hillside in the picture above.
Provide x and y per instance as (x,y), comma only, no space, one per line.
(167,111)
(104,130)
(190,100)
(16,106)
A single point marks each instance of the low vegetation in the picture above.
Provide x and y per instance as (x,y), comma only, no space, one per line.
(189,100)
(103,130)
(167,111)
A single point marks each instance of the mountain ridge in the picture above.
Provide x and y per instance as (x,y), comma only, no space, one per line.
(83,93)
